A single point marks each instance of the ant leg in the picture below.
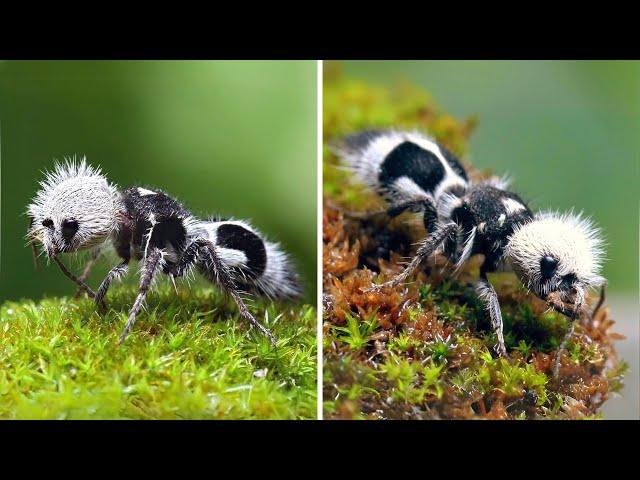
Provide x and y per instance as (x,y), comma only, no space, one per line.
(600,301)
(417,205)
(567,312)
(427,247)
(556,366)
(488,294)
(32,242)
(115,273)
(87,269)
(392,212)
(216,272)
(188,258)
(73,278)
(151,266)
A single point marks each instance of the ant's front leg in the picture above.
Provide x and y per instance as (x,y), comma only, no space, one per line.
(567,336)
(73,278)
(95,253)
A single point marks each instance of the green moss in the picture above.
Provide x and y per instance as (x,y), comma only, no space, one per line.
(356,334)
(425,349)
(188,356)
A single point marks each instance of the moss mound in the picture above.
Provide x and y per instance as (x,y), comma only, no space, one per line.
(188,357)
(424,349)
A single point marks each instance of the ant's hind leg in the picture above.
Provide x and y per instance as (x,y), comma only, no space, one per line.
(427,247)
(215,270)
(392,211)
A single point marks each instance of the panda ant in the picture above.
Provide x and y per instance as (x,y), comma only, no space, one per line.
(77,209)
(556,256)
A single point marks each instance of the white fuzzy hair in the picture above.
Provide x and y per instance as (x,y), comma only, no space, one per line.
(570,238)
(447,204)
(279,279)
(365,163)
(79,191)
(501,183)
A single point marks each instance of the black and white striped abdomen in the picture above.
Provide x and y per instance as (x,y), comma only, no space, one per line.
(255,263)
(403,166)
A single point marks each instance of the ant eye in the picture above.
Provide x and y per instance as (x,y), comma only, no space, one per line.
(47,222)
(548,266)
(69,228)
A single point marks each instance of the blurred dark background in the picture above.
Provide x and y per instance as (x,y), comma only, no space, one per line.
(230,138)
(568,132)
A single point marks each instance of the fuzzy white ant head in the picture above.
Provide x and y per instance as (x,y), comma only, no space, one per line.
(75,208)
(557,252)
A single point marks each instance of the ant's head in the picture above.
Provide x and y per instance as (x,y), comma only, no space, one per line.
(558,254)
(75,208)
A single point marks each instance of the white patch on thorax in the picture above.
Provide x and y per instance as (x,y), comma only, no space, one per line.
(512,206)
(143,192)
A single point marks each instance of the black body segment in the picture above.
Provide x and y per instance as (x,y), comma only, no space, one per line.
(412,161)
(234,236)
(484,209)
(159,214)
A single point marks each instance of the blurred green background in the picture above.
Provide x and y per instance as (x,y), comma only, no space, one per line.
(230,138)
(566,131)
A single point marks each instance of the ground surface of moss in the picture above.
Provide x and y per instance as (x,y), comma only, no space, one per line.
(188,357)
(424,349)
